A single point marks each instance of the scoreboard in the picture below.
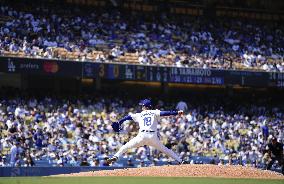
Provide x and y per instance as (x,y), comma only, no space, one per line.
(153,73)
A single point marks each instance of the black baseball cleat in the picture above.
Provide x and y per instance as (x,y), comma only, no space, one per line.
(111,160)
(183,162)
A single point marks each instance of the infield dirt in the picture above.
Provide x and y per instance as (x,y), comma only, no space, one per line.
(187,171)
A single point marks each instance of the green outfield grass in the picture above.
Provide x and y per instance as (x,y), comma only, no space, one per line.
(131,180)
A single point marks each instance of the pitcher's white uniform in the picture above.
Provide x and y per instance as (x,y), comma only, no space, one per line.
(148,121)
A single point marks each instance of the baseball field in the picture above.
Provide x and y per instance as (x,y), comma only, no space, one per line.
(133,180)
(170,174)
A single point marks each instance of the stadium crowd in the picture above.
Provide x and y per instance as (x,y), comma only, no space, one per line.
(76,130)
(84,34)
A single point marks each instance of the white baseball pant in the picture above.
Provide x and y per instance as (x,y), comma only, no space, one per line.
(150,139)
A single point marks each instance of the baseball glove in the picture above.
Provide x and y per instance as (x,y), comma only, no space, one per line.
(116,126)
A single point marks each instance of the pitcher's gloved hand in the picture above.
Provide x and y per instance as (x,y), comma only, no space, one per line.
(116,126)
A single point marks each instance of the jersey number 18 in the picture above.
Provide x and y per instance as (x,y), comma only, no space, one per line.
(147,121)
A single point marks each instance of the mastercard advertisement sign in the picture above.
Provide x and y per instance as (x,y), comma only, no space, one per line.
(41,66)
(50,67)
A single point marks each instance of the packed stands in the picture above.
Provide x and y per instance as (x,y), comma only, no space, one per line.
(99,35)
(57,130)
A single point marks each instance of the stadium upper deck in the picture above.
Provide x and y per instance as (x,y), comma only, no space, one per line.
(98,34)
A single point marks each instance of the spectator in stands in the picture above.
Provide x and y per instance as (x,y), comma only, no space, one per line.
(141,164)
(104,162)
(13,130)
(15,154)
(84,162)
(74,161)
(59,161)
(28,160)
(2,161)
(181,105)
(100,58)
(95,162)
(38,138)
(275,151)
(129,163)
(265,131)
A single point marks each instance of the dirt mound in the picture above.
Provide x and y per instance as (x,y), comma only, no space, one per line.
(188,171)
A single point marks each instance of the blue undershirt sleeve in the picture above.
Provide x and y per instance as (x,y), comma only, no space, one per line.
(124,119)
(168,113)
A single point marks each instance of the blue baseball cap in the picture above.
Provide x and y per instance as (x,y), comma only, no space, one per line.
(146,103)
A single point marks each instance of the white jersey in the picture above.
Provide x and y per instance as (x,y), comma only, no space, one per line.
(148,119)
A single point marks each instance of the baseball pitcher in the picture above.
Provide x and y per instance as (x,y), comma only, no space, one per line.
(148,121)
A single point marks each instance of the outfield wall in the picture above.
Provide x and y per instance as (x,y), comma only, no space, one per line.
(46,171)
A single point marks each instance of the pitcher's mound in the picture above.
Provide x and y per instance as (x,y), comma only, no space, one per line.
(188,171)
